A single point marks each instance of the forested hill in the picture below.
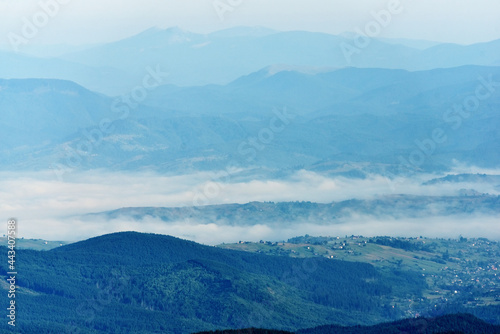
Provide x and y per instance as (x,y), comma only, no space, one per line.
(454,323)
(176,286)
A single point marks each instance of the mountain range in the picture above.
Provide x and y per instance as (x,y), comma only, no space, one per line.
(223,56)
(287,213)
(388,120)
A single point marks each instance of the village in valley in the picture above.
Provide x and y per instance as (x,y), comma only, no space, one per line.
(463,271)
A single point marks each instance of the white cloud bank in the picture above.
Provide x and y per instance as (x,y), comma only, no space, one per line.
(46,208)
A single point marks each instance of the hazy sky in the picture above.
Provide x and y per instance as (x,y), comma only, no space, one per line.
(93,21)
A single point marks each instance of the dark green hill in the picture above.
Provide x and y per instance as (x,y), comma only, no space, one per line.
(453,323)
(144,283)
(247,331)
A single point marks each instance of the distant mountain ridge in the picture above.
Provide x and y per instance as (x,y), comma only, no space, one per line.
(395,206)
(372,117)
(236,48)
(223,56)
(466,178)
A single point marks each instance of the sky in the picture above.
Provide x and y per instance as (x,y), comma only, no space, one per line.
(95,21)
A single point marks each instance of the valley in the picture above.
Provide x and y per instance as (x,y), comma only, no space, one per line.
(463,271)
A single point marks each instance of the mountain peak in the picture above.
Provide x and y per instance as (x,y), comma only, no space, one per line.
(173,34)
(176,30)
(276,68)
(244,31)
(282,71)
(128,243)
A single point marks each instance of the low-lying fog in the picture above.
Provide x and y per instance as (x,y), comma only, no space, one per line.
(48,208)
